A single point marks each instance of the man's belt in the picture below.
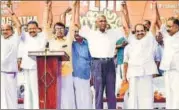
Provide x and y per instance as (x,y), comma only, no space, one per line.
(102,58)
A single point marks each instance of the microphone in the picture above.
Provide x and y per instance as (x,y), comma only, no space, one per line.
(47,45)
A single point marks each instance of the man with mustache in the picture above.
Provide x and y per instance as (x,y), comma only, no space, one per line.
(32,40)
(10,40)
(170,60)
(81,67)
(58,41)
(139,67)
(81,72)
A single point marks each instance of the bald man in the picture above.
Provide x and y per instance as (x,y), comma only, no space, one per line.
(9,46)
(102,43)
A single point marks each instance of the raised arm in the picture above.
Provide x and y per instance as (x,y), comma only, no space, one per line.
(47,16)
(159,22)
(77,14)
(15,20)
(48,19)
(71,32)
(154,19)
(125,14)
(50,16)
(70,38)
(63,15)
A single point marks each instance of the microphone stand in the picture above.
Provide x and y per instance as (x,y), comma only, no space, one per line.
(45,74)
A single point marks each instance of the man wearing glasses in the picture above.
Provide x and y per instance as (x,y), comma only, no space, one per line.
(59,41)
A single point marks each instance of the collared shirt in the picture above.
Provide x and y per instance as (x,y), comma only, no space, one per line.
(139,55)
(20,50)
(56,44)
(171,50)
(9,48)
(81,59)
(101,45)
(30,43)
(120,51)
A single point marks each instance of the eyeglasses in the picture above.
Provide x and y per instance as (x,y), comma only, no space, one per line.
(59,29)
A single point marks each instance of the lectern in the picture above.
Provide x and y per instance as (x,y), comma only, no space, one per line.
(49,77)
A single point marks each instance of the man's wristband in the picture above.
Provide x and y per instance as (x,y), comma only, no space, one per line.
(12,14)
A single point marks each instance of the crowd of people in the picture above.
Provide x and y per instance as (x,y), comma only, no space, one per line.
(144,51)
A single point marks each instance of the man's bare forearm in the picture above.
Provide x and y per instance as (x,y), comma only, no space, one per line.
(125,70)
(159,22)
(125,14)
(72,24)
(63,15)
(77,14)
(154,20)
(15,20)
(46,16)
(50,20)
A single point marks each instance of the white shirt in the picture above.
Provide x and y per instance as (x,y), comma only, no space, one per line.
(9,48)
(171,50)
(29,43)
(101,45)
(20,50)
(131,37)
(139,55)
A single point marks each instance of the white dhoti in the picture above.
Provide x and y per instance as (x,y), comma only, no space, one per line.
(20,78)
(172,89)
(8,91)
(93,96)
(119,76)
(140,93)
(67,93)
(31,94)
(83,94)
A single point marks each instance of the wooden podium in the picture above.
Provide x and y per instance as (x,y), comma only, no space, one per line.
(49,77)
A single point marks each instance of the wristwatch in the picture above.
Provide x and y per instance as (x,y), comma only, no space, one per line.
(12,14)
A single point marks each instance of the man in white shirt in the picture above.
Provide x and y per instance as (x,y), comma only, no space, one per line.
(9,46)
(102,45)
(139,67)
(32,41)
(170,60)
